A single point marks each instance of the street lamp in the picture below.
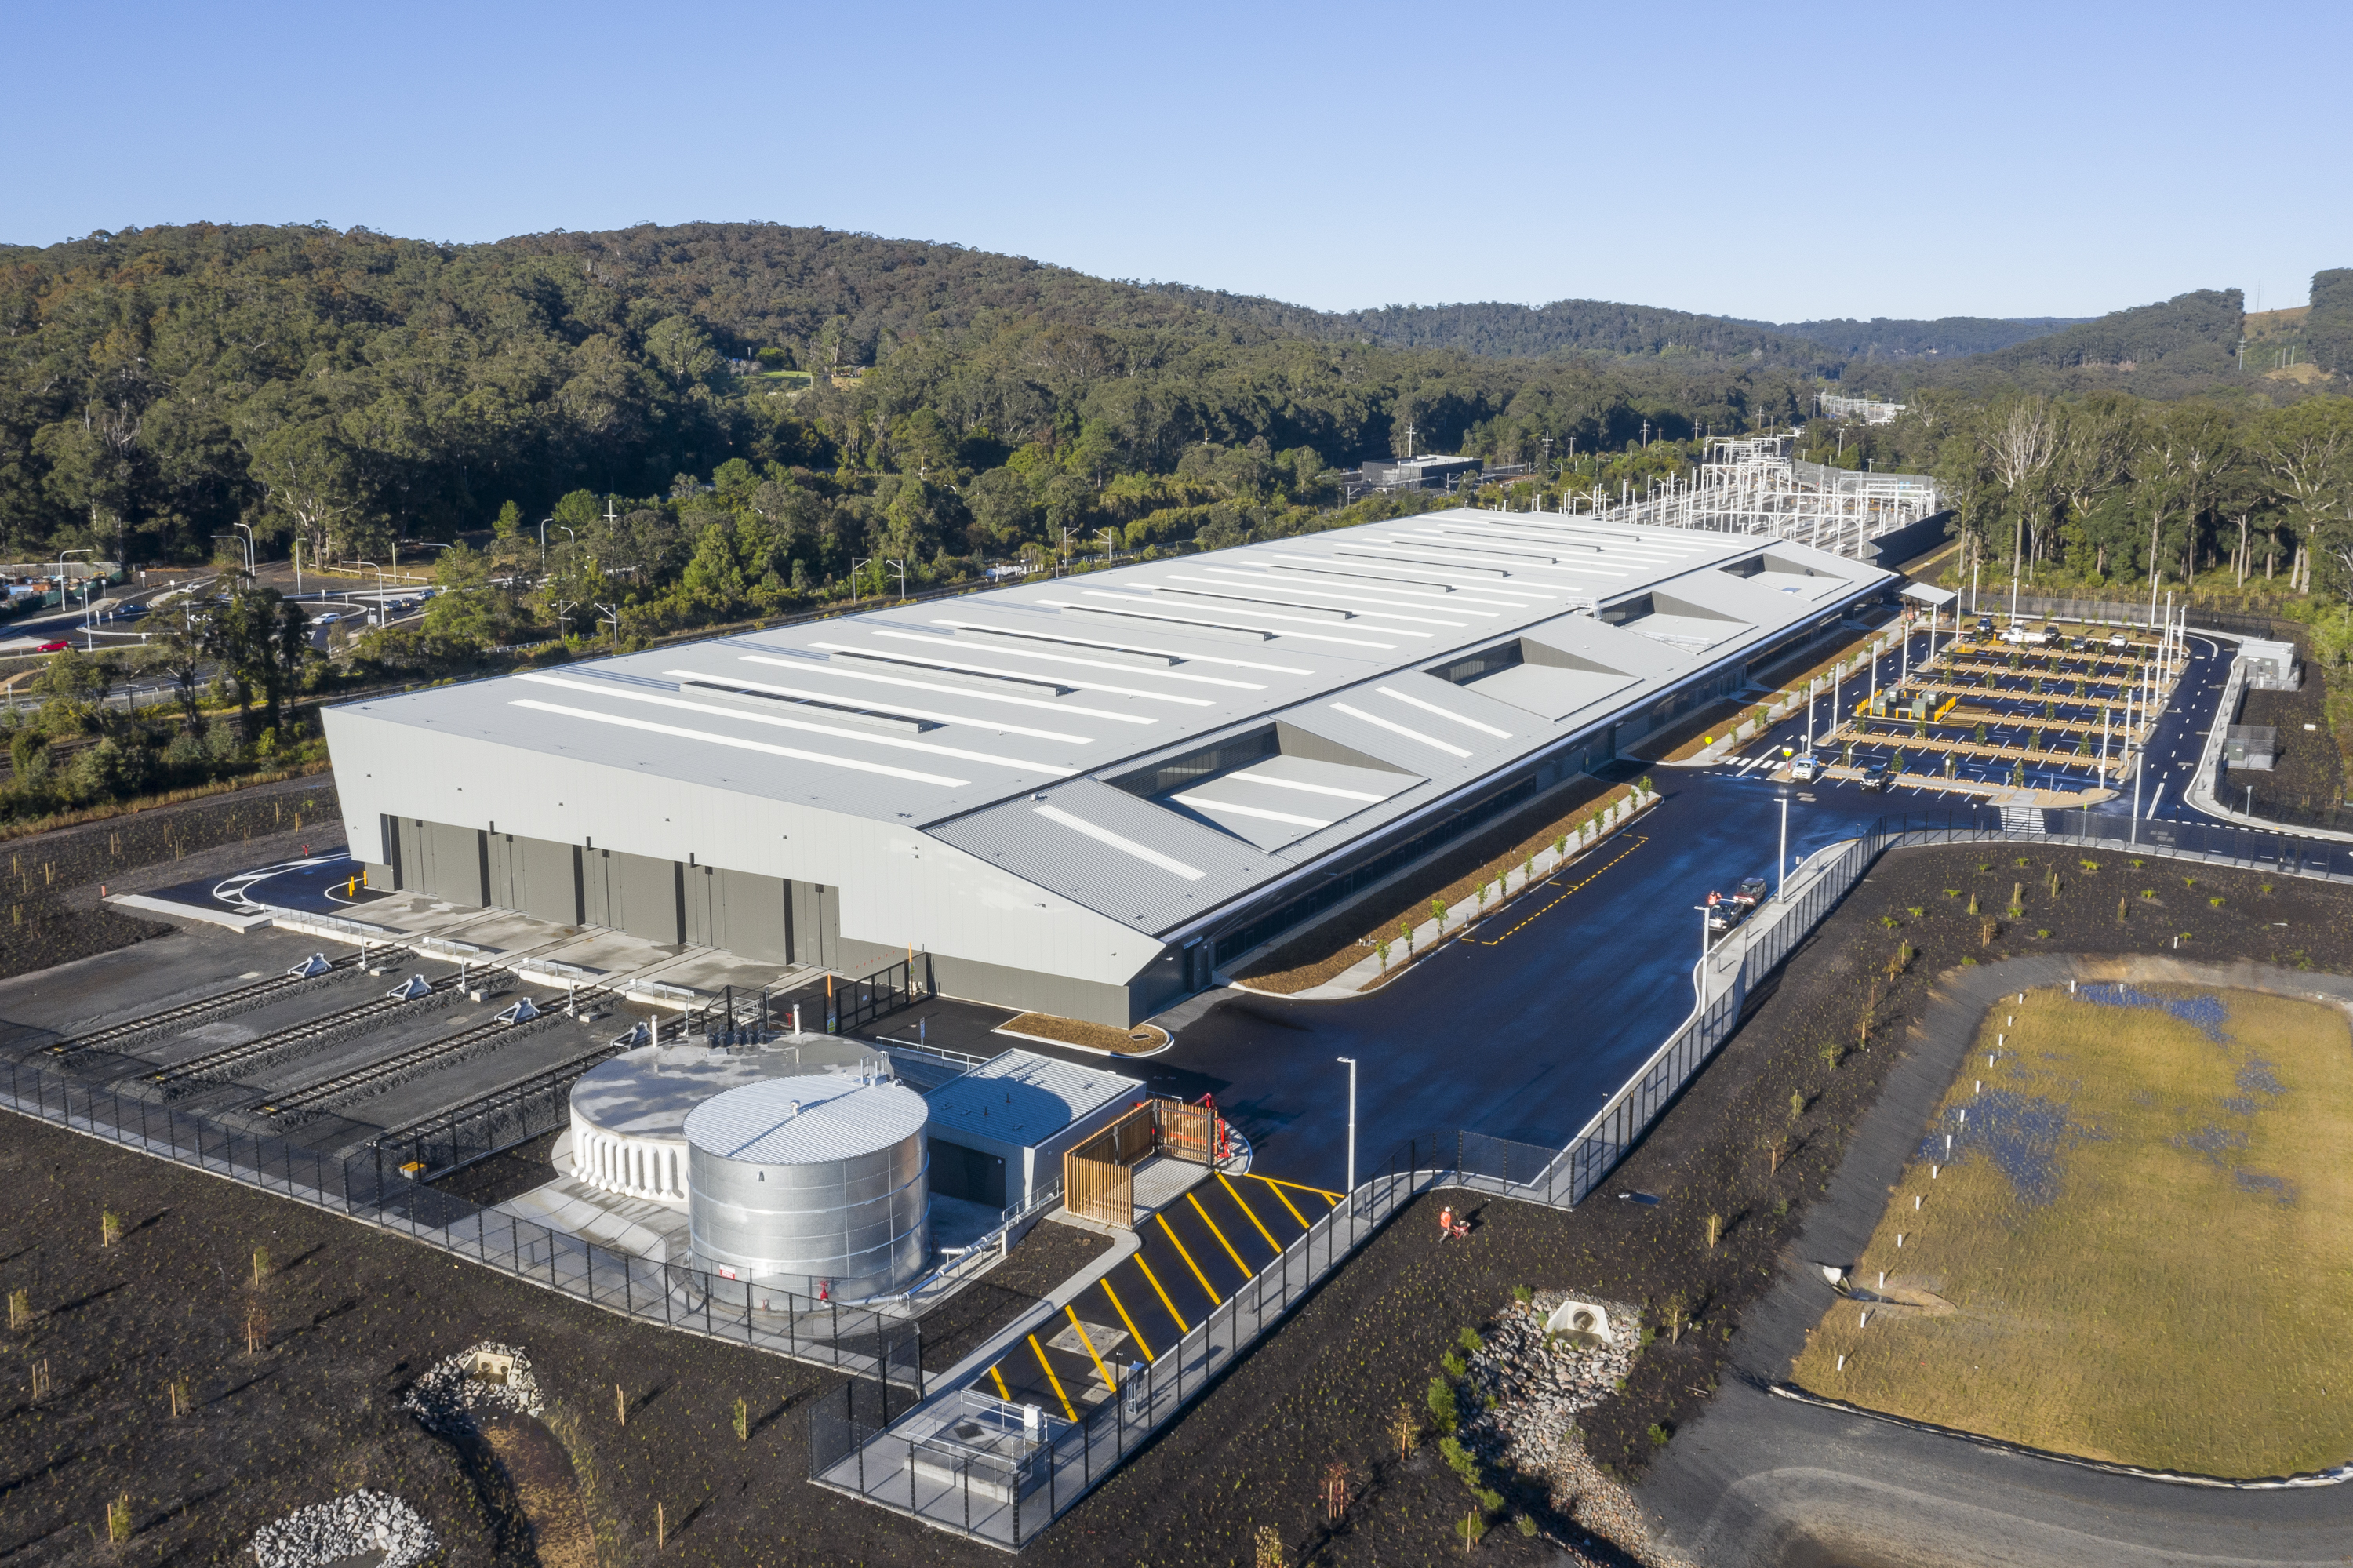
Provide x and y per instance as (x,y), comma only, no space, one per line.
(563,617)
(1781,888)
(379,586)
(1351,1060)
(900,568)
(542,541)
(613,614)
(251,558)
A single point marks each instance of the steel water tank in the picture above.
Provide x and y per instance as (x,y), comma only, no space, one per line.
(816,1185)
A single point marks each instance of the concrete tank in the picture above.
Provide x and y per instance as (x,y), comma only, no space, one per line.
(814,1185)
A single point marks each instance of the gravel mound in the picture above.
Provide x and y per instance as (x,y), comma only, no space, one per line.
(361,1522)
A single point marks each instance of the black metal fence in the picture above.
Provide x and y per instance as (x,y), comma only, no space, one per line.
(502,1119)
(856,1003)
(372,1189)
(996,1472)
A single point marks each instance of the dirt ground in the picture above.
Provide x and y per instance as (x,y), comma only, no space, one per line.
(2307,776)
(352,1316)
(51,881)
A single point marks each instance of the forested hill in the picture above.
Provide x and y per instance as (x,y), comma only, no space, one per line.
(2185,346)
(1947,336)
(766,283)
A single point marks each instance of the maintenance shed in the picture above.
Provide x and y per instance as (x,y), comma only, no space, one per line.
(1001,1128)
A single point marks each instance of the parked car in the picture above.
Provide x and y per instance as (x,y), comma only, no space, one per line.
(1723,914)
(1751,891)
(2118,642)
(2051,634)
(1875,776)
(1985,626)
(1805,767)
(53,647)
(2079,644)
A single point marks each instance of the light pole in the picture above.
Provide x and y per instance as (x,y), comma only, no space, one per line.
(1781,888)
(1110,536)
(379,580)
(858,565)
(613,614)
(1351,1060)
(252,560)
(900,568)
(1703,962)
(543,542)
(2135,816)
(563,617)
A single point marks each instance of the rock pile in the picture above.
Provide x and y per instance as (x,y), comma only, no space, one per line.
(444,1398)
(351,1526)
(1532,1383)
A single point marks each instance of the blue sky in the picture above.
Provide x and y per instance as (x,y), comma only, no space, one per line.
(1771,163)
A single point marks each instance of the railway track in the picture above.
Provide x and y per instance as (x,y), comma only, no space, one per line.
(244,999)
(358,1083)
(312,1034)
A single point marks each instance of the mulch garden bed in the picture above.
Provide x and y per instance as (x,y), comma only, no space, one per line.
(351,1316)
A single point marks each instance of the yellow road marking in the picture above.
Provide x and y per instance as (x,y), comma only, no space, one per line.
(1330,1198)
(1286,1203)
(1132,1332)
(1040,1350)
(1182,1326)
(1640,839)
(1003,1393)
(1089,1342)
(1246,1268)
(1214,1296)
(1253,1219)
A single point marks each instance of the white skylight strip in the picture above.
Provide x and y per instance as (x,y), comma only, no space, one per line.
(1161,610)
(1124,845)
(1309,789)
(1202,803)
(1238,604)
(1437,571)
(1388,610)
(1073,659)
(1377,550)
(891,707)
(1339,584)
(1437,540)
(960,666)
(1441,713)
(1399,729)
(810,667)
(623,722)
(1189,657)
(864,736)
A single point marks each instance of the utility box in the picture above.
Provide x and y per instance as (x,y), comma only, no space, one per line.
(2252,746)
(2270,666)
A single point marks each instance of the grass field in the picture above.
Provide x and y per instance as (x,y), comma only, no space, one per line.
(2140,1248)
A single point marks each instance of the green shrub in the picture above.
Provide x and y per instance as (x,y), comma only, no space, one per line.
(1468,1338)
(1440,1400)
(1454,1363)
(1658,1435)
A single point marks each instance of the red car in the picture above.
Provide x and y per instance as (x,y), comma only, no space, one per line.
(53,647)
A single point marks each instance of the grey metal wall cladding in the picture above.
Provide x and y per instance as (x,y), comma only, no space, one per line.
(641,895)
(856,1221)
(537,876)
(442,861)
(968,1174)
(816,923)
(744,914)
(1031,990)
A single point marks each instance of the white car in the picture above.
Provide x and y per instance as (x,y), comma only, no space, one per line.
(1805,767)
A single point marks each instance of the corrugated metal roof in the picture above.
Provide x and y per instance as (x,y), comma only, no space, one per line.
(1022,1097)
(1018,692)
(835,1119)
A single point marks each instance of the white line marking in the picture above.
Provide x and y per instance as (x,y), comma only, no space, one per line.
(880,706)
(761,745)
(1399,729)
(811,667)
(1203,804)
(1309,789)
(1125,846)
(1441,713)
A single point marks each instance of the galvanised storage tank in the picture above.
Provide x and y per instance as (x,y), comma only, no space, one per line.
(813,1185)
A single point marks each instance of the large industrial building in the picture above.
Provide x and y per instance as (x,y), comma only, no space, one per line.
(1080,795)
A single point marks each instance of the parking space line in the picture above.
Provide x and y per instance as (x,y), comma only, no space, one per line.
(1003,1393)
(1214,1296)
(1286,1203)
(1330,1198)
(1088,1341)
(1246,1268)
(1154,1280)
(1253,1219)
(1120,1307)
(1640,839)
(1069,1409)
